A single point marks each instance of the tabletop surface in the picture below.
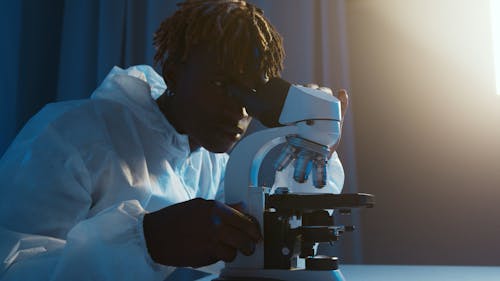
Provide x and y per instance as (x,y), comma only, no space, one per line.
(419,272)
(413,273)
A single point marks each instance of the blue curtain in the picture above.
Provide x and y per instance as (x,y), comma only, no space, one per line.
(62,50)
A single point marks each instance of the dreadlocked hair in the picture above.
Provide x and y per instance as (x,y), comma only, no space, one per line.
(237,29)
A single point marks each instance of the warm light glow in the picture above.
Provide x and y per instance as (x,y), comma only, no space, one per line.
(495,27)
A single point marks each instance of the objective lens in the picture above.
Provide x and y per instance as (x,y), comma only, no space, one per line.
(303,166)
(286,156)
(319,172)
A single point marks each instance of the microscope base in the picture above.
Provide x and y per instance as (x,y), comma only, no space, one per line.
(233,274)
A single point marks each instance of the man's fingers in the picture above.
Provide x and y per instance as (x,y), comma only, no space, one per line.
(238,220)
(225,252)
(236,239)
(344,100)
(240,206)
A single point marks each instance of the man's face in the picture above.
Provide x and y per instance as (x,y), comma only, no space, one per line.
(204,110)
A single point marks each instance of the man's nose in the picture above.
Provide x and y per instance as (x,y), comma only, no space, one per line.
(238,93)
(236,111)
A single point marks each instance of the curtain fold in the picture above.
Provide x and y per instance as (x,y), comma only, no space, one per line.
(79,56)
(10,30)
(63,50)
(30,54)
(98,35)
(335,71)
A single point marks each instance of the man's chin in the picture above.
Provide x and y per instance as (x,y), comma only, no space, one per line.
(221,147)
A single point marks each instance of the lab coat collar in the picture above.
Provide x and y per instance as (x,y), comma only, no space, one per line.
(137,88)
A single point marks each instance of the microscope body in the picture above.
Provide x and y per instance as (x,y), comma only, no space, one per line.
(292,223)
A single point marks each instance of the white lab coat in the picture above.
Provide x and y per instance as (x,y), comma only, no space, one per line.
(78,179)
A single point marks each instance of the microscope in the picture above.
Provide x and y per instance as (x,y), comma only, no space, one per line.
(307,122)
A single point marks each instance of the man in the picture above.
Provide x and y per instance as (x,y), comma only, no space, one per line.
(121,186)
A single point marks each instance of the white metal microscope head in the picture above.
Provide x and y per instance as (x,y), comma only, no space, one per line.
(308,120)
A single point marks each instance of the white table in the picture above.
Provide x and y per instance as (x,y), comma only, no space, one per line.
(413,273)
(420,273)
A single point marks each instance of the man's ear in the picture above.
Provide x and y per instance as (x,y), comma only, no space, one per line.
(170,75)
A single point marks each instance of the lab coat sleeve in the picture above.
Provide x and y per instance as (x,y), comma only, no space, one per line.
(219,194)
(109,246)
(335,175)
(47,232)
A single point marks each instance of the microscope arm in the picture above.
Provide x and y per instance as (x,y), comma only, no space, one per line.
(306,113)
(241,180)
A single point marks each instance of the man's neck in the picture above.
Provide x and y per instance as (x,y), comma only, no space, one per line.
(193,145)
(167,111)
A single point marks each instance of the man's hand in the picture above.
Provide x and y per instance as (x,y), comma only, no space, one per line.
(199,232)
(344,103)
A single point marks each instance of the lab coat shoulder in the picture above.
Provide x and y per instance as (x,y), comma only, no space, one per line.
(41,166)
(78,124)
(116,147)
(51,160)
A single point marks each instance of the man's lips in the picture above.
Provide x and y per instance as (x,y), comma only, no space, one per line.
(231,131)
